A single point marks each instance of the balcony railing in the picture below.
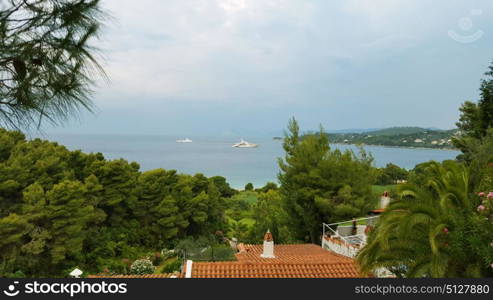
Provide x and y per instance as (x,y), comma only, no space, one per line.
(351,233)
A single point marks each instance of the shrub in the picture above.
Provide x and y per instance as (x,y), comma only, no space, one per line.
(17,274)
(166,253)
(141,267)
(111,266)
(172,265)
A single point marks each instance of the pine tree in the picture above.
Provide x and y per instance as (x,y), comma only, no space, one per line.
(485,104)
(476,119)
(13,228)
(319,185)
(68,215)
(166,213)
(47,64)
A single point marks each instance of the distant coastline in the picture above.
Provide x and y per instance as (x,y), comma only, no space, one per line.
(402,147)
(400,137)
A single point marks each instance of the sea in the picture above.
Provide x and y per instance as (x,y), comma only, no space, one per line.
(213,156)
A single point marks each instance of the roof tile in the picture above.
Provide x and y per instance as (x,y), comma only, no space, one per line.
(291,261)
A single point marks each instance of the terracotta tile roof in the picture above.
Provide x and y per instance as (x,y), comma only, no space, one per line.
(292,261)
(294,253)
(274,270)
(167,275)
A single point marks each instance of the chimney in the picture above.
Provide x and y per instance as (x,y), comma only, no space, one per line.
(188,270)
(268,246)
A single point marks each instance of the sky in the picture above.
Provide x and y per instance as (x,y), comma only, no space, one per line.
(244,67)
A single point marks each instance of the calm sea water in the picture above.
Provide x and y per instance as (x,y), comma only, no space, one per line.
(215,156)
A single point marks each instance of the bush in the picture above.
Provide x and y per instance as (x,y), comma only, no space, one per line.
(112,265)
(267,187)
(17,274)
(172,266)
(141,267)
(391,174)
(166,253)
(249,187)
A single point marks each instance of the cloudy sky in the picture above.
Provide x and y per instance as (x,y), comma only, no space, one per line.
(244,67)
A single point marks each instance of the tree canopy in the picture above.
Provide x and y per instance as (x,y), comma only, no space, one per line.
(322,185)
(61,208)
(476,119)
(436,229)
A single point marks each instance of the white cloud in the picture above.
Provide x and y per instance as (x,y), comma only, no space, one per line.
(232,5)
(267,53)
(196,49)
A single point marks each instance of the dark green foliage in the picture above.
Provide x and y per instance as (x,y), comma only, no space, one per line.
(433,228)
(440,225)
(156,207)
(267,187)
(485,104)
(8,139)
(60,209)
(320,185)
(238,208)
(391,174)
(476,119)
(47,65)
(223,186)
(470,120)
(238,230)
(173,265)
(269,214)
(249,187)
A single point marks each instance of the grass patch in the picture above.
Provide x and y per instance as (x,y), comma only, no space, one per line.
(168,266)
(379,189)
(248,196)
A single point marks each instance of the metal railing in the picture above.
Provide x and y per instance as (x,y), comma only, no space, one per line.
(208,253)
(356,239)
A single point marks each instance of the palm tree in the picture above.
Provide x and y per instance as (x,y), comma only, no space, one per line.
(424,233)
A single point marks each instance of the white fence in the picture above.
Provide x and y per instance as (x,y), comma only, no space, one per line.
(346,240)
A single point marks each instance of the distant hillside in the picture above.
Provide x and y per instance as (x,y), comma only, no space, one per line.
(399,137)
(398,131)
(354,130)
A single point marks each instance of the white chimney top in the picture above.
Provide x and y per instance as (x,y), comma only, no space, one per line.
(188,271)
(268,246)
(76,273)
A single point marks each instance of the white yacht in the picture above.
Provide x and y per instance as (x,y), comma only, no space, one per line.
(244,144)
(187,140)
